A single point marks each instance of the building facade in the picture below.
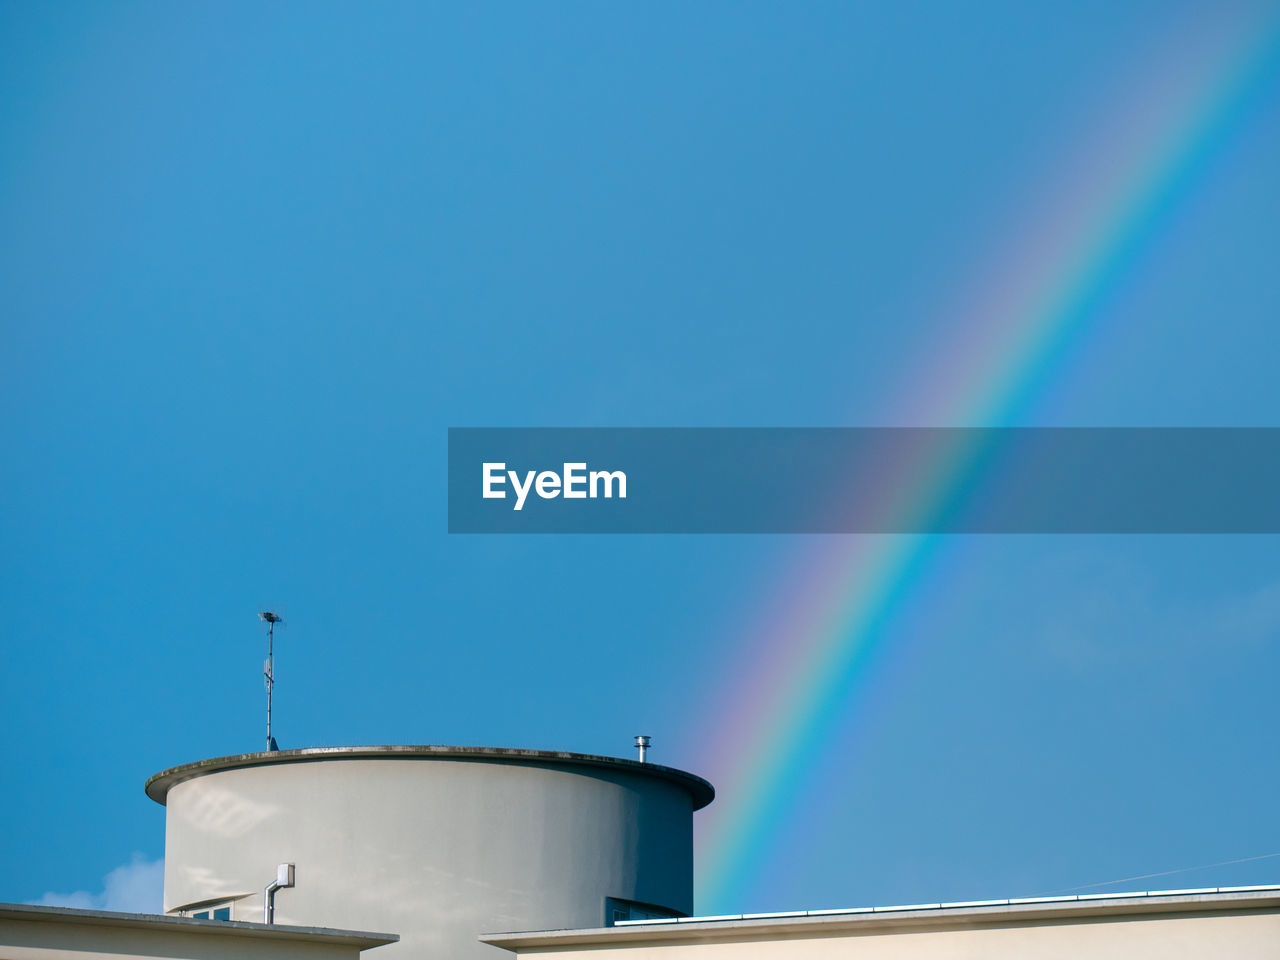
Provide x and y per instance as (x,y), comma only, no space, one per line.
(1239,923)
(63,933)
(438,844)
(484,853)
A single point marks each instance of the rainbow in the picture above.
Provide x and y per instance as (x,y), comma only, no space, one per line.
(815,652)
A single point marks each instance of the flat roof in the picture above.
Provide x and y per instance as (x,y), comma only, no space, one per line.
(234,928)
(866,920)
(159,785)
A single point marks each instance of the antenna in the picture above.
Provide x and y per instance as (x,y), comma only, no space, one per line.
(642,744)
(269,670)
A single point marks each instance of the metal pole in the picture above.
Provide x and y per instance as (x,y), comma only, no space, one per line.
(271,675)
(269,668)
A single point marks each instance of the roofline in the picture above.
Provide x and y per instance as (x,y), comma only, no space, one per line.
(154,921)
(874,920)
(159,785)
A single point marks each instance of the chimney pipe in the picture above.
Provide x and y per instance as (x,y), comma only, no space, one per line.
(284,878)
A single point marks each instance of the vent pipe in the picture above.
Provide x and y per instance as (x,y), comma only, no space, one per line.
(642,744)
(284,878)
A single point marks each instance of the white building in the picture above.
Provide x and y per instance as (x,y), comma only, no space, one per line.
(474,853)
(437,844)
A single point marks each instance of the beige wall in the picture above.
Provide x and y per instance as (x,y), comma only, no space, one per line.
(59,940)
(1230,935)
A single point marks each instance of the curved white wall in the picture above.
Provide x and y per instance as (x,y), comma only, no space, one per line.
(434,847)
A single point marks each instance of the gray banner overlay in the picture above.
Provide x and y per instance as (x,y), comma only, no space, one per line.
(864,480)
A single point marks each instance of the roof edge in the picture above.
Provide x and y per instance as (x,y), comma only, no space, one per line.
(276,931)
(158,785)
(868,920)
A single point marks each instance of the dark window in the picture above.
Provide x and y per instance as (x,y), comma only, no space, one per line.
(212,913)
(616,909)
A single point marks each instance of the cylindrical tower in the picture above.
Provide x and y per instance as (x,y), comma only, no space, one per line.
(437,844)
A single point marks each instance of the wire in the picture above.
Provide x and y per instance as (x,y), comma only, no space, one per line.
(1164,873)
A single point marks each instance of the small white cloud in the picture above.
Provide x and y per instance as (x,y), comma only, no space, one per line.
(135,887)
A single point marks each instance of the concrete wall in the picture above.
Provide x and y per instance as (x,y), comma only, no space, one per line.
(27,941)
(437,849)
(1239,936)
(52,933)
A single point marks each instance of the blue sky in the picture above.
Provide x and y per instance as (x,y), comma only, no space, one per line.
(255,261)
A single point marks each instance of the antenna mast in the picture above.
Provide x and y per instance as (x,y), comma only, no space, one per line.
(269,670)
